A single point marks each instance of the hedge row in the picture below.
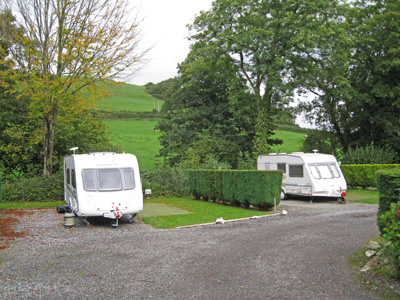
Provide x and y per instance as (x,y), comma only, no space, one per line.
(388,182)
(256,188)
(364,175)
(38,189)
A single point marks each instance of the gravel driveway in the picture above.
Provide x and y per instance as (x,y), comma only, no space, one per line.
(302,255)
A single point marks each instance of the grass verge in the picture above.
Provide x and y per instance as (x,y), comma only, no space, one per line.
(378,279)
(18,205)
(363,196)
(201,212)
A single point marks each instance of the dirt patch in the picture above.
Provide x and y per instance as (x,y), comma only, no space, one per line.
(9,218)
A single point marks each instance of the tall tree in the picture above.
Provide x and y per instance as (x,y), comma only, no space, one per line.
(358,91)
(267,41)
(70,46)
(198,104)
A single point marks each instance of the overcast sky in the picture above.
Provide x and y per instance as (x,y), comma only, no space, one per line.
(164,28)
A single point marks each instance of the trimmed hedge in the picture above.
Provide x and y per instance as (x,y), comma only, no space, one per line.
(364,175)
(256,188)
(388,182)
(39,189)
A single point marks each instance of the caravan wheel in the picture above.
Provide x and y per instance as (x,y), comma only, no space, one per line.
(283,195)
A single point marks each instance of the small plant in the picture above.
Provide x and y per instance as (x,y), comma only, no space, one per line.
(391,235)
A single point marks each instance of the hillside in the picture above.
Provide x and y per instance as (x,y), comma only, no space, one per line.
(131,124)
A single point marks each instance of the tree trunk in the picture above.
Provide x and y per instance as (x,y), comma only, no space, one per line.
(48,143)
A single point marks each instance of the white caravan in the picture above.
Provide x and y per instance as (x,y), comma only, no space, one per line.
(307,174)
(103,184)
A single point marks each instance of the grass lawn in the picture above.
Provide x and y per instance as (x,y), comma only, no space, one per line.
(363,196)
(200,212)
(292,141)
(128,97)
(137,137)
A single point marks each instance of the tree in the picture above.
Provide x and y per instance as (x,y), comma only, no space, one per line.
(268,41)
(68,48)
(357,91)
(16,144)
(198,104)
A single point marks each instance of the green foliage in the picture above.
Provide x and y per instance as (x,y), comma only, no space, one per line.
(323,141)
(388,182)
(198,111)
(364,175)
(369,154)
(166,181)
(237,187)
(34,189)
(273,55)
(357,94)
(390,221)
(159,90)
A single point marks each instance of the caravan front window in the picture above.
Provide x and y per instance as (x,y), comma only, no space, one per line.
(109,180)
(325,171)
(106,180)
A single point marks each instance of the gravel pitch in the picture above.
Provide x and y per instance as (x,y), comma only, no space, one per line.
(302,255)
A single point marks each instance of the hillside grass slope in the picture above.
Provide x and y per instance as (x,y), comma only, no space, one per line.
(136,134)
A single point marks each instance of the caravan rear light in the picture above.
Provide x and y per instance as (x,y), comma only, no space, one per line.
(344,194)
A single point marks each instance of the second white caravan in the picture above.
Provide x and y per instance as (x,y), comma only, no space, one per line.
(307,174)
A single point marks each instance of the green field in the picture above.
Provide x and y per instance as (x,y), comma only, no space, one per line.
(292,141)
(128,97)
(137,137)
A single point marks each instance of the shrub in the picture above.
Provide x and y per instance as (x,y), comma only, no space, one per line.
(369,154)
(391,221)
(39,189)
(388,182)
(166,181)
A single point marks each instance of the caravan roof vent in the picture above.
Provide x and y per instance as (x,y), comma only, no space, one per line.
(102,153)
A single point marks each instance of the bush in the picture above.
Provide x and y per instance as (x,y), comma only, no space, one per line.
(390,233)
(388,182)
(38,189)
(166,181)
(369,154)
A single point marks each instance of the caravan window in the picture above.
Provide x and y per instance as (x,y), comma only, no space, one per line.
(106,180)
(73,178)
(282,167)
(109,180)
(335,171)
(89,180)
(325,171)
(129,179)
(296,171)
(314,172)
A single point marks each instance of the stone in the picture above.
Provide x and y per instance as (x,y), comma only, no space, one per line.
(374,245)
(370,253)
